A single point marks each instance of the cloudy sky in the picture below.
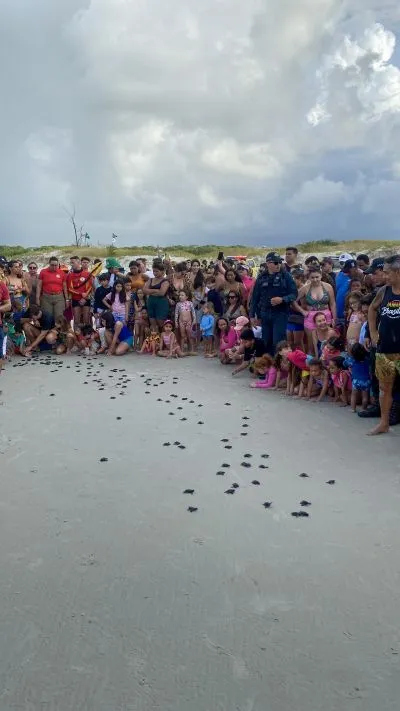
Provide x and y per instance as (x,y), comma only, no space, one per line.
(259,122)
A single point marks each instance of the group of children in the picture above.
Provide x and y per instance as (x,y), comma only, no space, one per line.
(342,375)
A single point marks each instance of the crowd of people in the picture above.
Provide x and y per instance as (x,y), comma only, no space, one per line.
(304,329)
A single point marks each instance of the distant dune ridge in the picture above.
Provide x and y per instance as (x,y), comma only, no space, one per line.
(209,251)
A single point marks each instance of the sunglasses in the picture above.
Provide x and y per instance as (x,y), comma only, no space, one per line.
(233,296)
(32,269)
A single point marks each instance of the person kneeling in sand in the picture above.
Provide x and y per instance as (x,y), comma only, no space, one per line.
(169,346)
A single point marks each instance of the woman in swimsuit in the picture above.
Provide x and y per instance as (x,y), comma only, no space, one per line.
(321,333)
(315,296)
(156,291)
(17,285)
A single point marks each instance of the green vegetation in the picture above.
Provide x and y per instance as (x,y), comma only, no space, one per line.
(206,251)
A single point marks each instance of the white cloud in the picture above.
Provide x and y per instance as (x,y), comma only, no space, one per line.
(249,161)
(190,121)
(208,196)
(318,195)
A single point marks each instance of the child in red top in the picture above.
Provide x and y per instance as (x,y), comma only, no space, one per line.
(341,379)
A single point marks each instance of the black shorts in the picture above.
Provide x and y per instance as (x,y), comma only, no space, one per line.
(76,305)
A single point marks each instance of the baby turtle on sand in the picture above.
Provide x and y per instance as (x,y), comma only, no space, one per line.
(189,491)
(255,482)
(267,504)
(192,509)
(230,491)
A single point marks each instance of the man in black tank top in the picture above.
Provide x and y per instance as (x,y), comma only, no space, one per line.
(386,338)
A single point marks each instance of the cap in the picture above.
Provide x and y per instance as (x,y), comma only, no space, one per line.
(112,263)
(3,261)
(274,257)
(375,265)
(349,264)
(240,323)
(345,257)
(242,266)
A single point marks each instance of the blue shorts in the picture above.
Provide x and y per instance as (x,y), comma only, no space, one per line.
(361,384)
(295,327)
(126,336)
(3,344)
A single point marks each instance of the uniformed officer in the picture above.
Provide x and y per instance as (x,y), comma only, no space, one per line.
(273,293)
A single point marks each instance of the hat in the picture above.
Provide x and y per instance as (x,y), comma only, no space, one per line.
(243,266)
(273,257)
(375,265)
(345,257)
(3,261)
(349,264)
(112,263)
(240,323)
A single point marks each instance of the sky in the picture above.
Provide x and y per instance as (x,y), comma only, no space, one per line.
(199,121)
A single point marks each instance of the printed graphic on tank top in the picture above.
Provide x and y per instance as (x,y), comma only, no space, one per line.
(389,325)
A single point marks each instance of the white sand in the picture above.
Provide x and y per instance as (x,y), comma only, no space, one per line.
(115,598)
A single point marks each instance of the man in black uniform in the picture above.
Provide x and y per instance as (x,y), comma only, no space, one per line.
(273,293)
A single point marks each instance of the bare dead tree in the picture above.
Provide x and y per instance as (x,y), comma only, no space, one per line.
(78,234)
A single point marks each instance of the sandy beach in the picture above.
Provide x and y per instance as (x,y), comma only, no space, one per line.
(114,597)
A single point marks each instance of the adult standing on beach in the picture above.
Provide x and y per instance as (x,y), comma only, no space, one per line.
(51,291)
(273,293)
(315,297)
(17,285)
(32,278)
(80,287)
(156,291)
(343,278)
(114,270)
(136,276)
(291,259)
(386,338)
(5,306)
(378,279)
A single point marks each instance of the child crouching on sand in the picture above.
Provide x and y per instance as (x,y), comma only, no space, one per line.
(169,346)
(274,375)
